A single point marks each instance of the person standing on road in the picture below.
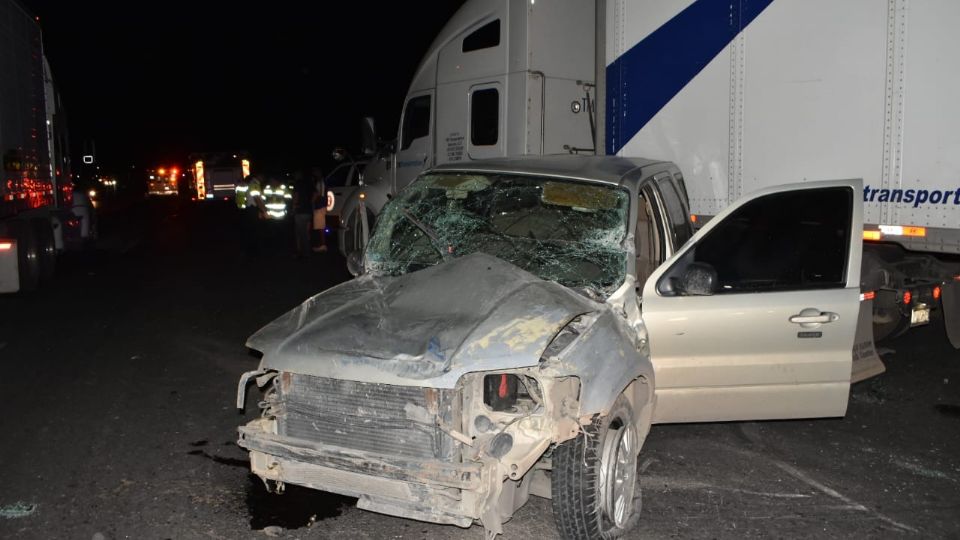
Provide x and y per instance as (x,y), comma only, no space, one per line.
(303,197)
(253,210)
(319,215)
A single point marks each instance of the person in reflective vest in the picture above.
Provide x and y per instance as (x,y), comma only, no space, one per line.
(275,198)
(248,193)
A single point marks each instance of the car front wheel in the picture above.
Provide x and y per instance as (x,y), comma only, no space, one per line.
(596,492)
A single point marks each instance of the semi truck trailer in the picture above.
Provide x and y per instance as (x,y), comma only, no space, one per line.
(740,96)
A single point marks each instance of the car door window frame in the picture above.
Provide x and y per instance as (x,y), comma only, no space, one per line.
(666,245)
(666,182)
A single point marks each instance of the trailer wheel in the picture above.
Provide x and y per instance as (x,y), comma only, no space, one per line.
(28,252)
(596,492)
(46,248)
(891,329)
(888,322)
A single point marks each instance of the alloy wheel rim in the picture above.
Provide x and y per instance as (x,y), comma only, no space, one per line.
(618,476)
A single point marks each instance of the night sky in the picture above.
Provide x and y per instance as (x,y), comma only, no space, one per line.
(151,82)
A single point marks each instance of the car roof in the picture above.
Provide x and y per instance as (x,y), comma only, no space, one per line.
(606,169)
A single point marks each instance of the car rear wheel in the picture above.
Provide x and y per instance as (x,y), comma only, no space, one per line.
(595,486)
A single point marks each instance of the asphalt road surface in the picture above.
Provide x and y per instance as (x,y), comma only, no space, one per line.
(118,420)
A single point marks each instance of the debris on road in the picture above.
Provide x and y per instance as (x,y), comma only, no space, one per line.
(17,510)
(273,531)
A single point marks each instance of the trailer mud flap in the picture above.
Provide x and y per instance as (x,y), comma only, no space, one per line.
(951,312)
(866,363)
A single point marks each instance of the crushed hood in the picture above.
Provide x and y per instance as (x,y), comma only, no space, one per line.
(426,328)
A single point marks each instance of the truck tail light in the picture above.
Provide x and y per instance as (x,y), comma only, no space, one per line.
(6,245)
(936,292)
(907,297)
(872,235)
(903,230)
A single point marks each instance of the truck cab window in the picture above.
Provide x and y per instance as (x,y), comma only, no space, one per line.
(485,37)
(416,120)
(485,117)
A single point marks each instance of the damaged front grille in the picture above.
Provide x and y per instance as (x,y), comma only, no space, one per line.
(379,418)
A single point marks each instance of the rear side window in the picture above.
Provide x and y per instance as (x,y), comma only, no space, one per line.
(485,37)
(679,223)
(337,178)
(780,242)
(416,120)
(682,185)
(484,117)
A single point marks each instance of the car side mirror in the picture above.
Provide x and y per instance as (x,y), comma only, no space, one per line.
(699,279)
(355,263)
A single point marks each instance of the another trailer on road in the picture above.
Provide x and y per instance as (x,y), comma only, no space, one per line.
(38,214)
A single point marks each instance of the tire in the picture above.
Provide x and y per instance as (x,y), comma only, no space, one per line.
(585,505)
(888,321)
(28,254)
(46,247)
(891,330)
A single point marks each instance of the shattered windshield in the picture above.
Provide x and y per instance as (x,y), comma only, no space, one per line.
(560,230)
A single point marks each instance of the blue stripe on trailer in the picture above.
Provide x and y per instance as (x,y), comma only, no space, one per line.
(646,77)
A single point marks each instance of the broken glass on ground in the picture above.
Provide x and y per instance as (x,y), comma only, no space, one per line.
(17,510)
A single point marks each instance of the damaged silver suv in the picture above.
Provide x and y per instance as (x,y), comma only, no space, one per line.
(519,324)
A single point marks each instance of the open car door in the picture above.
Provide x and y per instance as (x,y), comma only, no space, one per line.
(754,318)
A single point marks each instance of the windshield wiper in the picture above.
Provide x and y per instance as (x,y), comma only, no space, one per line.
(427,230)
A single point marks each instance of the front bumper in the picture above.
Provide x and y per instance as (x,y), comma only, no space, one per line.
(427,490)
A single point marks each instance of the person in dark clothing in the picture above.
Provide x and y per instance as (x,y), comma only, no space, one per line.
(253,210)
(319,213)
(303,196)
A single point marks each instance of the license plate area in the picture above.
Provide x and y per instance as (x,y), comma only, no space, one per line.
(920,315)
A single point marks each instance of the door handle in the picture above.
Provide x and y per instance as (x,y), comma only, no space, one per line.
(814,316)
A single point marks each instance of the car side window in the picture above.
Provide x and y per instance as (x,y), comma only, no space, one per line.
(780,242)
(648,236)
(338,177)
(682,185)
(416,120)
(679,222)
